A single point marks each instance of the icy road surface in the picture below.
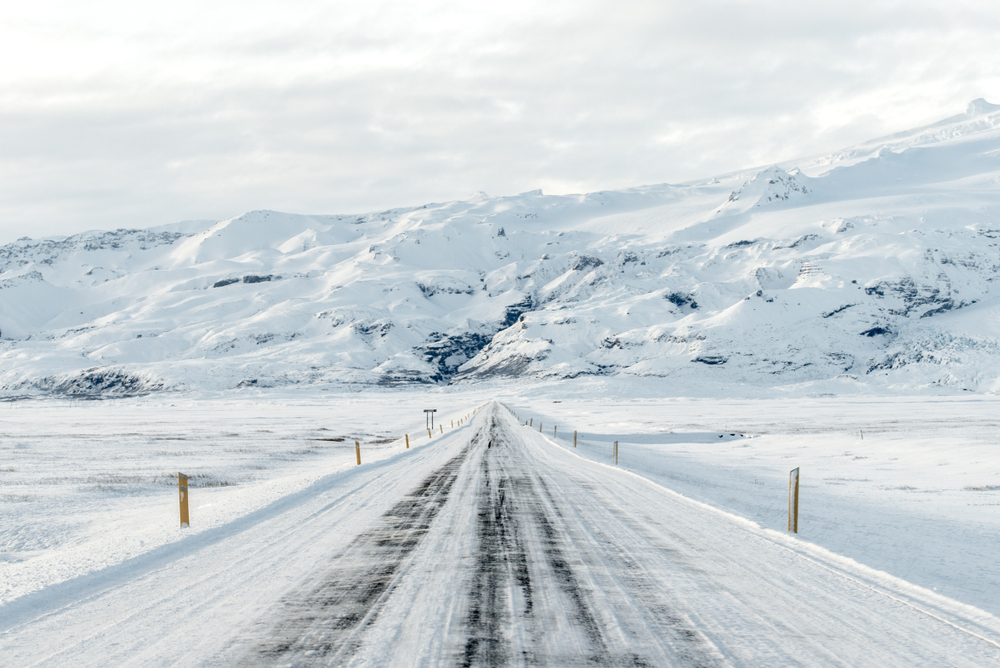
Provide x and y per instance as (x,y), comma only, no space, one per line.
(491,547)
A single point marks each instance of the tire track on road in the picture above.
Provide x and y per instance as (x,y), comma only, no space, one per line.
(522,554)
(501,565)
(322,623)
(646,594)
(536,588)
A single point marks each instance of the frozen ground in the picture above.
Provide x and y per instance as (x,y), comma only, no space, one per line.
(678,556)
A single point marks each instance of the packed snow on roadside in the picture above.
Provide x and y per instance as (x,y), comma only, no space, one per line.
(85,485)
(910,486)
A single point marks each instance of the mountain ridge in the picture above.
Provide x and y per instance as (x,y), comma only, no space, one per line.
(870,269)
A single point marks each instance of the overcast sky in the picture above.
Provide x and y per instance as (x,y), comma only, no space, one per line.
(116,114)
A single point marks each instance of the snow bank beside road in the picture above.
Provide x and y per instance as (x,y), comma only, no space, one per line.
(908,486)
(90,485)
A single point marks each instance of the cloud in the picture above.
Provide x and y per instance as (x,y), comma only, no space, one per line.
(115,115)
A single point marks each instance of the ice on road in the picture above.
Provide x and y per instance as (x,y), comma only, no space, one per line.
(493,546)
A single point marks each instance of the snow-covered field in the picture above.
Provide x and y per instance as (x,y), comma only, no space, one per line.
(92,560)
(90,484)
(910,486)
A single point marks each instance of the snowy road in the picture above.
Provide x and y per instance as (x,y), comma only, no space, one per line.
(491,547)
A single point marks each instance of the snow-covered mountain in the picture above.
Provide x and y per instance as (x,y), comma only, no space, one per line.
(872,268)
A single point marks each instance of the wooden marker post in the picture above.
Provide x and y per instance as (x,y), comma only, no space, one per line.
(452,424)
(554,431)
(182,489)
(531,422)
(615,454)
(357,451)
(793,501)
(407,441)
(539,427)
(428,434)
(574,439)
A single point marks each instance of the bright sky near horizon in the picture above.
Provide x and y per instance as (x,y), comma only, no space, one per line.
(122,114)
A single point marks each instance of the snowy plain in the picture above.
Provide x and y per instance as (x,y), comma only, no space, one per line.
(89,506)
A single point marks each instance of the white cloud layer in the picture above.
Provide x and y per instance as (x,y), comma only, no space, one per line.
(116,114)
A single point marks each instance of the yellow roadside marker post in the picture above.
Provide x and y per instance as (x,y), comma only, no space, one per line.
(574,439)
(793,500)
(531,422)
(615,454)
(182,489)
(407,441)
(442,428)
(357,451)
(428,434)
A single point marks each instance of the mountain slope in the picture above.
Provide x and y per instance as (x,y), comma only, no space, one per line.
(869,268)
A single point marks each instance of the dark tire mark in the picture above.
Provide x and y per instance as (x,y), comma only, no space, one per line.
(510,511)
(322,623)
(691,647)
(539,589)
(570,587)
(500,558)
(522,546)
